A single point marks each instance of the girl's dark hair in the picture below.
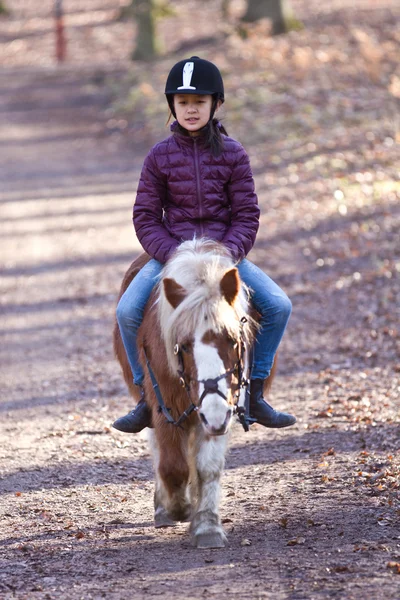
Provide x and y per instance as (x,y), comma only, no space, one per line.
(213,137)
(212,133)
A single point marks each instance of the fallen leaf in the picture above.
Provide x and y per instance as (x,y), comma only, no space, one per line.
(310,522)
(330,452)
(296,541)
(26,547)
(395,566)
(340,569)
(283,522)
(324,414)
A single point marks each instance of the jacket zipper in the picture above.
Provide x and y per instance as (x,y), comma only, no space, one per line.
(197,169)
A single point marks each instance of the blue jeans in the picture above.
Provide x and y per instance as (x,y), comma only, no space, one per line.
(269,300)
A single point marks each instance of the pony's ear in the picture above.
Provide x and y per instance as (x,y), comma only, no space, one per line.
(174,292)
(230,285)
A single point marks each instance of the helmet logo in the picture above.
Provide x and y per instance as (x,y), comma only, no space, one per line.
(187,77)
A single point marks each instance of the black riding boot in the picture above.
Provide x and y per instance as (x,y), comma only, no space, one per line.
(136,420)
(263,412)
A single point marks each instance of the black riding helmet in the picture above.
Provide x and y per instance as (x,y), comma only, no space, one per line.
(194,76)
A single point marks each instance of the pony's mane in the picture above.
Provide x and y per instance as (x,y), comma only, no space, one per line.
(198,266)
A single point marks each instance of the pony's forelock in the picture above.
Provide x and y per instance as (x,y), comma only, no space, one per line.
(198,266)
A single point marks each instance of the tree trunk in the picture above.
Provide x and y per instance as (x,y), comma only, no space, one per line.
(3,8)
(225,8)
(279,11)
(146,47)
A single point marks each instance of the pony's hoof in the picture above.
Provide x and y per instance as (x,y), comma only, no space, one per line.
(210,540)
(182,513)
(163,520)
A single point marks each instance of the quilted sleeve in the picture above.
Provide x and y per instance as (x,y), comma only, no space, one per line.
(148,212)
(245,212)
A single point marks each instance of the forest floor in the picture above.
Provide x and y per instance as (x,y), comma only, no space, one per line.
(311,512)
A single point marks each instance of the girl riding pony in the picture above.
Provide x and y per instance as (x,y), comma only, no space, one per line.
(198,183)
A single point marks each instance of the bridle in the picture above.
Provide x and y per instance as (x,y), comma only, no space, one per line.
(210,385)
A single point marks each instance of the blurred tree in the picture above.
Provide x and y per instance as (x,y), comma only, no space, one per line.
(225,8)
(145,13)
(146,46)
(279,11)
(3,8)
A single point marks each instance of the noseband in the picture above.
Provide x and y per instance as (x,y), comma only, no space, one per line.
(210,385)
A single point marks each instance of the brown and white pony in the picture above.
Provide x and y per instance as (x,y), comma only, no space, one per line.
(195,326)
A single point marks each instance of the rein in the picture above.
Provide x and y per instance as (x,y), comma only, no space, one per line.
(161,404)
(210,385)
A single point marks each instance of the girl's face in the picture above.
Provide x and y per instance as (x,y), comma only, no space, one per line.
(193,111)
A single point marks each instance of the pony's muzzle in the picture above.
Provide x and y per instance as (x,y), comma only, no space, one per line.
(212,429)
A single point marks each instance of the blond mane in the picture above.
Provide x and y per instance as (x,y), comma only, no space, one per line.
(198,266)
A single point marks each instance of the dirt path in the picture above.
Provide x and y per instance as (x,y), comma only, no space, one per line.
(311,512)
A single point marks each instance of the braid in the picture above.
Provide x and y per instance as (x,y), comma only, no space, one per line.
(214,139)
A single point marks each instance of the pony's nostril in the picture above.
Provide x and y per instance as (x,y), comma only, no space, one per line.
(202,417)
(228,414)
(219,430)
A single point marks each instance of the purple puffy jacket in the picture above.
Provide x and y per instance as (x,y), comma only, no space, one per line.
(184,192)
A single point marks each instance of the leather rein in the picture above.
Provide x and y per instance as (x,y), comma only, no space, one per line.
(210,385)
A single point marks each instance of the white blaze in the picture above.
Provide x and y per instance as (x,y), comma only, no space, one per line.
(209,365)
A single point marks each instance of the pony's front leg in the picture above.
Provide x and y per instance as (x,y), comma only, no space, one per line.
(171,478)
(161,516)
(206,526)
